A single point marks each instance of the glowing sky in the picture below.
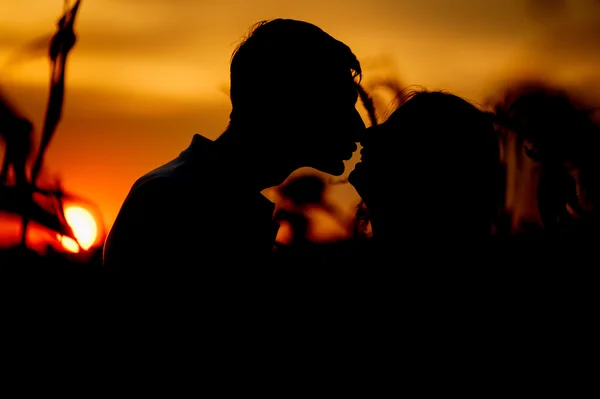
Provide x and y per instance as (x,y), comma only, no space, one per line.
(147,74)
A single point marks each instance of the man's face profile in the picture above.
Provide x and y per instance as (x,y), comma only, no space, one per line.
(333,124)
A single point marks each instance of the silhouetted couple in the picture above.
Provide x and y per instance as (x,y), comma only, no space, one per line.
(427,172)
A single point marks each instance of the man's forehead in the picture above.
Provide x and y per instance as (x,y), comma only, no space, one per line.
(336,72)
(347,82)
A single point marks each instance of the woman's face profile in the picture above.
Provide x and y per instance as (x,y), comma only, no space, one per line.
(372,169)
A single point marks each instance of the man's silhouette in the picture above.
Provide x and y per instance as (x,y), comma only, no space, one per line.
(293,94)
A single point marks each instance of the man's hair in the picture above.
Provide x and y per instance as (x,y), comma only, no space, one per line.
(284,60)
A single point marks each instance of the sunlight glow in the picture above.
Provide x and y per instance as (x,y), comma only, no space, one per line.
(68,243)
(84,227)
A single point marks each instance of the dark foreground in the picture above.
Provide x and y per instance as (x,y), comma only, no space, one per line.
(346,267)
(531,308)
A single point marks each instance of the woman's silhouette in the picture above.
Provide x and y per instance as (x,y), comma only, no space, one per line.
(429,172)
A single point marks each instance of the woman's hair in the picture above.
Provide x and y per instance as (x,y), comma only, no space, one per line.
(438,155)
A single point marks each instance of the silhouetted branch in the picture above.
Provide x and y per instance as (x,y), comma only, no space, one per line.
(368,103)
(62,42)
(14,199)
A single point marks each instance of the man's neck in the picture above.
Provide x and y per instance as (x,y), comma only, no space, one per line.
(255,165)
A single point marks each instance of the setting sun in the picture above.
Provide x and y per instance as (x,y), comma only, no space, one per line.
(84,226)
(69,244)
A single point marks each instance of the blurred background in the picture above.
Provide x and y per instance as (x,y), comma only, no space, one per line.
(145,75)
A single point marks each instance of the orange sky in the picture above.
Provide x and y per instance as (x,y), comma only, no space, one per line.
(147,74)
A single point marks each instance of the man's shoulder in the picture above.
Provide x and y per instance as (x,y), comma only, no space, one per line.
(188,171)
(164,175)
(151,208)
(169,194)
(153,183)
